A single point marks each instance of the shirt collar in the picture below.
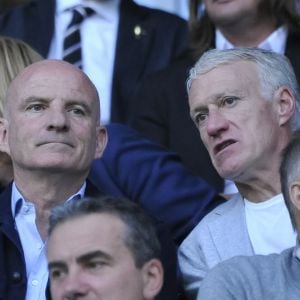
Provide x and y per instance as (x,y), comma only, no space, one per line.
(107,9)
(275,42)
(18,201)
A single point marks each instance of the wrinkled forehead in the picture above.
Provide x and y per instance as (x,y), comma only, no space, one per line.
(92,231)
(220,76)
(52,79)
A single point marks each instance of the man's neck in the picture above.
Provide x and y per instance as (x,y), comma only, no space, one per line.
(260,189)
(261,180)
(46,191)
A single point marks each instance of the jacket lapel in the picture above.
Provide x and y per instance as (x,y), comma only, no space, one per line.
(133,44)
(7,223)
(91,190)
(229,231)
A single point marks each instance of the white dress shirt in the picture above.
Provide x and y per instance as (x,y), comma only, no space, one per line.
(33,246)
(98,39)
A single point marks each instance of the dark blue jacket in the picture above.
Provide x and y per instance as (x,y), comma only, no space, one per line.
(154,177)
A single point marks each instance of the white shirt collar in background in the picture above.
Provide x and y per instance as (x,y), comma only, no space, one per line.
(275,42)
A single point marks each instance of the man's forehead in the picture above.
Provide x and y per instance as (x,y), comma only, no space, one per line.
(93,231)
(103,221)
(229,68)
(222,78)
(49,69)
(50,79)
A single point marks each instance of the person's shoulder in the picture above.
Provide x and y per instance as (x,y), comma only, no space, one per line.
(251,277)
(201,230)
(258,266)
(221,210)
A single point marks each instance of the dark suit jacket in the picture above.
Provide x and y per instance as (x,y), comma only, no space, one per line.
(164,36)
(13,279)
(162,112)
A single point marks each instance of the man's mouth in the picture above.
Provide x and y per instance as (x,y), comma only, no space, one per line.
(56,142)
(221,1)
(218,148)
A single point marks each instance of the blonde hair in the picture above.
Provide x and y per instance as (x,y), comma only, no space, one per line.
(15,55)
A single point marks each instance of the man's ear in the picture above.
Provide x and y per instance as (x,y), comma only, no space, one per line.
(153,276)
(101,141)
(285,105)
(4,136)
(294,190)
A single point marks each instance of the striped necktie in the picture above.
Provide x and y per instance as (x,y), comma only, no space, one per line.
(72,40)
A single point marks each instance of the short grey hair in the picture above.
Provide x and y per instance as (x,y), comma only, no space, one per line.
(140,237)
(274,71)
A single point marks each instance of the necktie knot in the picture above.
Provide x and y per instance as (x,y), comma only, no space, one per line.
(79,14)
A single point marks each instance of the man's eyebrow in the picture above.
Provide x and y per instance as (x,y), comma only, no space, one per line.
(81,103)
(94,254)
(35,99)
(57,264)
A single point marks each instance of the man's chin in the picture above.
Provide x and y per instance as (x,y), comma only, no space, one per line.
(53,166)
(228,172)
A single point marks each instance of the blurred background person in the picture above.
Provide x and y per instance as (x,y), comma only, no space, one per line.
(116,42)
(15,55)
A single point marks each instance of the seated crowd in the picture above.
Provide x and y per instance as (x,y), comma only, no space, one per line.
(91,209)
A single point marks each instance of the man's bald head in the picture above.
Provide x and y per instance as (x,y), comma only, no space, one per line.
(40,72)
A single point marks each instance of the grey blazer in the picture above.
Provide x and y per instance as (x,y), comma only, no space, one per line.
(221,235)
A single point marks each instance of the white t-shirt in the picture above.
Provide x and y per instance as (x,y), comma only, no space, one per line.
(269,226)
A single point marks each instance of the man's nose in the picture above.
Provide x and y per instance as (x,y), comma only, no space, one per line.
(216,123)
(58,119)
(74,286)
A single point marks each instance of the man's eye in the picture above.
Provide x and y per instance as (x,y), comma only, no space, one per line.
(200,117)
(35,107)
(229,101)
(77,111)
(56,274)
(95,265)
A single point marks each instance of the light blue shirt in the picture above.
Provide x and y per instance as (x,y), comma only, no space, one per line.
(33,246)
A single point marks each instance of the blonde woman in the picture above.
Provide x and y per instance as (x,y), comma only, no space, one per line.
(15,55)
